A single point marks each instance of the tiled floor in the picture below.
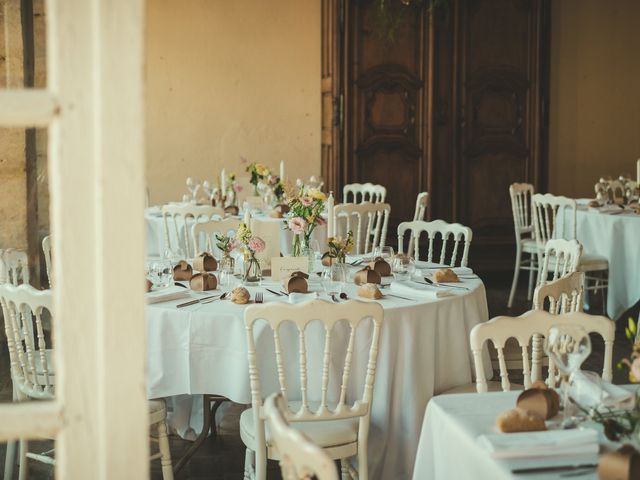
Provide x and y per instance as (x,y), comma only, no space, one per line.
(222,457)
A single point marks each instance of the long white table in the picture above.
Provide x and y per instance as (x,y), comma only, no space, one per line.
(424,350)
(449,447)
(615,237)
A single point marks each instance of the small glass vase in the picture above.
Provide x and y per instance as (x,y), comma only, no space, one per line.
(227,263)
(252,271)
(302,248)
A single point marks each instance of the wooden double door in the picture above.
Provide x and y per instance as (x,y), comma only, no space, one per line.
(451,100)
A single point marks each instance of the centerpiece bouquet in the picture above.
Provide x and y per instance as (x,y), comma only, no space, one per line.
(277,187)
(339,247)
(251,245)
(226,244)
(305,208)
(258,172)
(233,187)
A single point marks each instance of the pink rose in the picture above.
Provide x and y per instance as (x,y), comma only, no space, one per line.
(256,244)
(237,188)
(635,369)
(298,225)
(306,201)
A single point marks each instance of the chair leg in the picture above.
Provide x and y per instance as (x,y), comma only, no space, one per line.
(363,460)
(249,459)
(516,274)
(344,469)
(261,463)
(165,451)
(22,458)
(533,269)
(10,460)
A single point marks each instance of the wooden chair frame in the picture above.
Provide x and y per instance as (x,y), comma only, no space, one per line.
(371,223)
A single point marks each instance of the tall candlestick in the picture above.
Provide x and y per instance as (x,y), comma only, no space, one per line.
(223,181)
(330,223)
(282,170)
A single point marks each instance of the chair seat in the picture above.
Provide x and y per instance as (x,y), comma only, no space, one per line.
(529,245)
(590,263)
(324,433)
(471,388)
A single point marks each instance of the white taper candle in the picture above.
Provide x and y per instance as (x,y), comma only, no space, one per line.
(282,170)
(247,217)
(638,171)
(223,181)
(330,225)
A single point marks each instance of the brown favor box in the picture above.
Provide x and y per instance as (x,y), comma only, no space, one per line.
(205,263)
(367,275)
(232,210)
(148,285)
(381,266)
(544,402)
(327,259)
(280,210)
(296,283)
(623,464)
(202,282)
(182,271)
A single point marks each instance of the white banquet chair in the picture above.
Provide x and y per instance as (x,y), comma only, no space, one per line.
(33,373)
(46,250)
(368,222)
(336,423)
(451,235)
(556,217)
(363,192)
(499,329)
(422,202)
(182,216)
(521,194)
(300,458)
(561,257)
(204,234)
(16,263)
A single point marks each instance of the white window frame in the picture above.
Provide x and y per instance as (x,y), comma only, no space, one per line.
(93,107)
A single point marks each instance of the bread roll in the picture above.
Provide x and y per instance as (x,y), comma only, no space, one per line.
(445,275)
(369,290)
(519,420)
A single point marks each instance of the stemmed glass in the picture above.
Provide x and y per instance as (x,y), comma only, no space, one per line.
(403,267)
(386,253)
(206,186)
(334,279)
(567,346)
(192,185)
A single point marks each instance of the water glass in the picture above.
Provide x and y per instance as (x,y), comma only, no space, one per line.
(403,267)
(160,274)
(334,278)
(386,253)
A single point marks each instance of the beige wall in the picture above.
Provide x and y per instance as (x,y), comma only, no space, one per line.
(595,94)
(230,79)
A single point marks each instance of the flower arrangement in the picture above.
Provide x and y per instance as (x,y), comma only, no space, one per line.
(305,208)
(339,247)
(258,172)
(276,186)
(225,243)
(633,362)
(251,245)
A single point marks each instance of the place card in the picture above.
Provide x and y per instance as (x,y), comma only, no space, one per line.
(283,267)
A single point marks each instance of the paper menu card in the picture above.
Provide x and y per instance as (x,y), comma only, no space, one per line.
(282,267)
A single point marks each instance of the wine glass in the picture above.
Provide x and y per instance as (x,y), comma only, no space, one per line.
(403,267)
(191,186)
(567,346)
(334,279)
(386,253)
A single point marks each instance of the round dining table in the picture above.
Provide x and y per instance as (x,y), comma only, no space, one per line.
(613,233)
(424,350)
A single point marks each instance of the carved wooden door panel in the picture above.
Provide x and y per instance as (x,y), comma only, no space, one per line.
(386,104)
(501,132)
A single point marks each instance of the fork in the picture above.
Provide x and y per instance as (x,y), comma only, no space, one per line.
(222,297)
(259,297)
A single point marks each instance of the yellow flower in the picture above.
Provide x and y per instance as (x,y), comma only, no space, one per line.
(262,170)
(316,194)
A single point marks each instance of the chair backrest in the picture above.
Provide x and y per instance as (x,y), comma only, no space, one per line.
(203,234)
(17,266)
(46,250)
(450,234)
(317,362)
(535,322)
(422,202)
(521,194)
(550,219)
(610,190)
(564,294)
(363,192)
(560,258)
(31,363)
(300,458)
(368,222)
(182,216)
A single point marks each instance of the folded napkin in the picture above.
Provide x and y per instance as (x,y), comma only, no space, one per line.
(302,297)
(549,443)
(589,390)
(418,290)
(166,294)
(611,209)
(430,268)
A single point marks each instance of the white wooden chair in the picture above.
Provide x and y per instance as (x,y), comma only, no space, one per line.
(300,458)
(46,250)
(363,192)
(33,373)
(561,257)
(368,222)
(182,216)
(17,266)
(422,202)
(499,329)
(3,269)
(521,194)
(450,234)
(338,424)
(204,234)
(556,217)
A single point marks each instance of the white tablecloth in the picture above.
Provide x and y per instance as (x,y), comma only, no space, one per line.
(156,243)
(424,349)
(449,447)
(616,237)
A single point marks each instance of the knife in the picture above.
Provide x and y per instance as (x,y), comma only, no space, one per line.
(559,468)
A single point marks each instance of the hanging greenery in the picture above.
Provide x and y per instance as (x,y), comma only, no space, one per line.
(391,12)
